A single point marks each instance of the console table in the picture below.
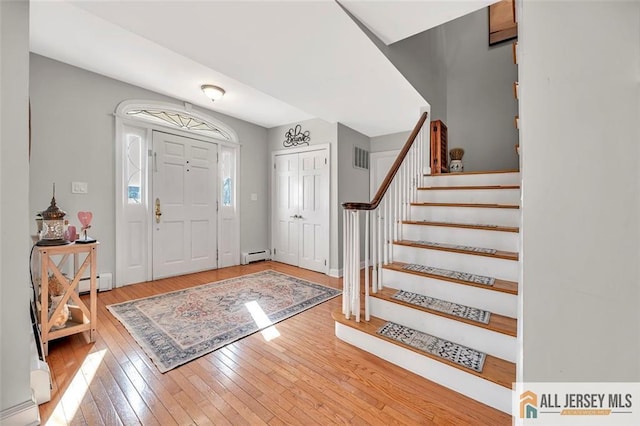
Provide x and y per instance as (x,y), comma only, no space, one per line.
(81,317)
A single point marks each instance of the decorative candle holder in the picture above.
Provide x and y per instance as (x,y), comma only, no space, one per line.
(52,233)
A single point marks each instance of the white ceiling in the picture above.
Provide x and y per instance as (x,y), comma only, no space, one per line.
(279,62)
(392,21)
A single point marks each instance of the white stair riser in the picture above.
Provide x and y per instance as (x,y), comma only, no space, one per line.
(472,180)
(482,196)
(487,392)
(478,338)
(481,265)
(506,241)
(494,301)
(467,215)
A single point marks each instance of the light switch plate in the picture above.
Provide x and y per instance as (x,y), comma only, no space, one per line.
(79,187)
(254,197)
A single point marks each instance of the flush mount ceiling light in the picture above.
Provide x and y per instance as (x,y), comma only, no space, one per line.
(213,92)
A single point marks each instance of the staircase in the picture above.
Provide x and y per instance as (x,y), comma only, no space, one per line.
(457,244)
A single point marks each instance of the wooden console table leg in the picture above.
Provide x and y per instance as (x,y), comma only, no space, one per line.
(93,294)
(44,301)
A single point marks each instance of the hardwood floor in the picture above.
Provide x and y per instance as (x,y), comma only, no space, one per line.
(304,376)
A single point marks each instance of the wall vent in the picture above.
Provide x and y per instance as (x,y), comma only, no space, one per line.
(360,158)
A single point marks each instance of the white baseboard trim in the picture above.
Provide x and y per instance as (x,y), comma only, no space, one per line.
(24,414)
(338,273)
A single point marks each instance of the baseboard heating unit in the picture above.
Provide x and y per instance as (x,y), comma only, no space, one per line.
(254,256)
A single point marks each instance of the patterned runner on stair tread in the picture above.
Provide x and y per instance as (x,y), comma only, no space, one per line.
(463,276)
(461,355)
(461,311)
(455,247)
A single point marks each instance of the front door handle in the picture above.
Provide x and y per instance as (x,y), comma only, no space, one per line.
(158,212)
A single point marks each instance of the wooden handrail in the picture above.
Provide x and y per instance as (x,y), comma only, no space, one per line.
(391,174)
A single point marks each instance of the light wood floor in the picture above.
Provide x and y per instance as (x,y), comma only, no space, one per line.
(304,376)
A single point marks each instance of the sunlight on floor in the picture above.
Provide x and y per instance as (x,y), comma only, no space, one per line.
(262,320)
(70,402)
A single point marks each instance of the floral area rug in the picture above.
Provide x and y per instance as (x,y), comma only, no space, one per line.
(177,327)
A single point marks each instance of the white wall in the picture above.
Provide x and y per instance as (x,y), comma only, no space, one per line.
(14,211)
(579,109)
(321,132)
(73,140)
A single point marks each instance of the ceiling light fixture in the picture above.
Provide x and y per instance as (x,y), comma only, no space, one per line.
(213,92)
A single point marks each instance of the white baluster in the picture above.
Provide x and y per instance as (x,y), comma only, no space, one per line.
(356,264)
(374,252)
(379,245)
(385,218)
(366,265)
(345,262)
(390,222)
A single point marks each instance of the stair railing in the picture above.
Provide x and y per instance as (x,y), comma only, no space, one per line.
(383,221)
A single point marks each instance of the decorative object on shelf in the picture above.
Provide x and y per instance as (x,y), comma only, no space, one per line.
(52,233)
(56,291)
(39,223)
(296,137)
(85,220)
(456,155)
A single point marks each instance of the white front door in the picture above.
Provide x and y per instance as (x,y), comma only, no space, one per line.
(184,205)
(301,209)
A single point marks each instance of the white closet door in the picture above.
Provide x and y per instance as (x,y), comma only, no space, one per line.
(286,227)
(313,205)
(301,209)
(184,184)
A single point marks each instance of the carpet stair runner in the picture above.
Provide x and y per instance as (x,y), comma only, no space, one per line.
(485,227)
(494,369)
(455,248)
(451,276)
(497,323)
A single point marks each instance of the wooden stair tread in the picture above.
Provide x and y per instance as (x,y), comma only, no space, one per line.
(469,187)
(485,172)
(497,323)
(495,370)
(499,254)
(463,225)
(478,205)
(503,286)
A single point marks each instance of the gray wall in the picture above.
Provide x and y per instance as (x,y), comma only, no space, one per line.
(421,59)
(14,212)
(480,102)
(579,105)
(321,132)
(389,142)
(73,134)
(468,85)
(353,183)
